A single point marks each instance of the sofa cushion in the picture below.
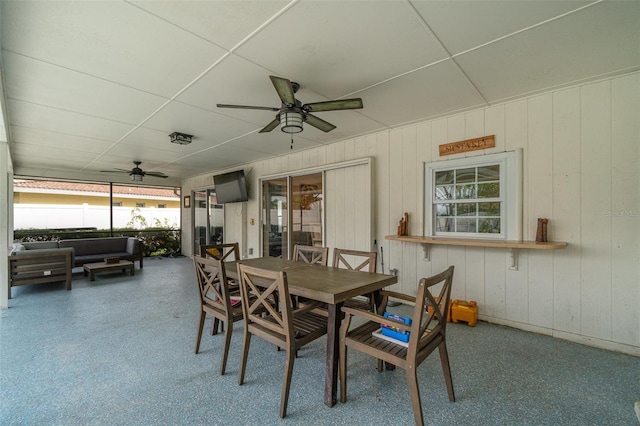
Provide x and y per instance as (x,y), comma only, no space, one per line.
(99,257)
(16,247)
(39,245)
(133,245)
(96,246)
(44,251)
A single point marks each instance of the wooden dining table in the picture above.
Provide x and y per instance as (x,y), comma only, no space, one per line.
(328,285)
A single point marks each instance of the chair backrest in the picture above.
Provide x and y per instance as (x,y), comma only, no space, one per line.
(426,325)
(212,282)
(355,260)
(311,254)
(265,286)
(224,252)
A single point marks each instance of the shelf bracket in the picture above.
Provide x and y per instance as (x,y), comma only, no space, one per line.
(513,255)
(426,248)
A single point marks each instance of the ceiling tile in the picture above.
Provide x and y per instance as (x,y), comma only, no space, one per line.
(26,161)
(274,142)
(462,25)
(432,91)
(49,85)
(336,48)
(33,151)
(112,40)
(65,122)
(598,40)
(135,152)
(225,23)
(57,140)
(207,127)
(234,81)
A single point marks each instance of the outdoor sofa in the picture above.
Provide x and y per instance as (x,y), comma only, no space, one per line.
(52,261)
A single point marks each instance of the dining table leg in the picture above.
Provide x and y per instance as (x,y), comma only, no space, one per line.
(333,341)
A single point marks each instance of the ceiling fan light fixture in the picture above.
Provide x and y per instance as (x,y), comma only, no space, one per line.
(180,138)
(136,177)
(291,122)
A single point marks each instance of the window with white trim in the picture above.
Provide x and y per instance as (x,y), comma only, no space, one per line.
(475,197)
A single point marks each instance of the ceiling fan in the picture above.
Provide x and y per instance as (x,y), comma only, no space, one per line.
(292,113)
(137,173)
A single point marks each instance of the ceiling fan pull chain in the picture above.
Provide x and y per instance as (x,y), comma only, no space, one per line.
(292,141)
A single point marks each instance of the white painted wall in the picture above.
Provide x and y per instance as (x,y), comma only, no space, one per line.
(581,150)
(6,216)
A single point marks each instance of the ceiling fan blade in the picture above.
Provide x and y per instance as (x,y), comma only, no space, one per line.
(269,127)
(319,123)
(156,174)
(284,89)
(247,107)
(355,103)
(115,171)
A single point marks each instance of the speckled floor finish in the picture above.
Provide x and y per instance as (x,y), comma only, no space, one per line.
(119,351)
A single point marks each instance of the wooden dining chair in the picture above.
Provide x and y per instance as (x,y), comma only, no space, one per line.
(215,300)
(357,260)
(426,333)
(311,254)
(283,326)
(227,252)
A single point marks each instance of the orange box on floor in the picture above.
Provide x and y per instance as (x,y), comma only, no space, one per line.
(464,311)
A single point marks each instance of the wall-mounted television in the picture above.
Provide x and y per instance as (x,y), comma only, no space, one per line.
(231,187)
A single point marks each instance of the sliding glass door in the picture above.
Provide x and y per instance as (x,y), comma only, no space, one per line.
(208,219)
(275,217)
(292,213)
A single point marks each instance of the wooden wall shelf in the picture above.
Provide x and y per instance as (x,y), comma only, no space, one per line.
(476,242)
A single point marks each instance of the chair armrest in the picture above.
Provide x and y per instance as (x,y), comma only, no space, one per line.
(133,245)
(375,318)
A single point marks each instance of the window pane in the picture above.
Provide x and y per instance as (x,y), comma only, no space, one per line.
(445,177)
(488,209)
(488,173)
(489,226)
(489,190)
(444,225)
(466,175)
(466,225)
(476,201)
(445,210)
(465,192)
(467,209)
(444,192)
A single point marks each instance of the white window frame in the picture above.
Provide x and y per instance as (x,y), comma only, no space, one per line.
(510,193)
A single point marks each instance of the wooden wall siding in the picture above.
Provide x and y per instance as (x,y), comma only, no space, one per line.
(581,150)
(625,191)
(348,215)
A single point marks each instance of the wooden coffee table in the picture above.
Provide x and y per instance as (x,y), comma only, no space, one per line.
(92,268)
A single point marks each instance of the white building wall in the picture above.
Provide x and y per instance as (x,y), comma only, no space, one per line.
(38,216)
(581,150)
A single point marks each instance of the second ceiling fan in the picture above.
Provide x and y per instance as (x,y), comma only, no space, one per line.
(292,113)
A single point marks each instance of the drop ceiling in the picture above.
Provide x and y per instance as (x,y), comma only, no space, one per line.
(92,86)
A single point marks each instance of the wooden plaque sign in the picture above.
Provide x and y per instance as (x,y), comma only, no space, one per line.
(467,145)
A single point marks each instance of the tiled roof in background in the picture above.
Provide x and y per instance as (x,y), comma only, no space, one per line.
(93,187)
